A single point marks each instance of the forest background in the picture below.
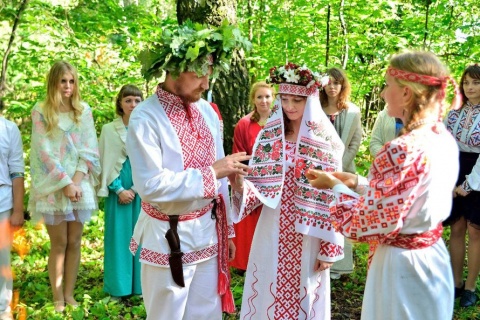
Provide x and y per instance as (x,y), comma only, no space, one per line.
(102,38)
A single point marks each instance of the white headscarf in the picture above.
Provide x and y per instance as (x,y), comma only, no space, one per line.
(318,146)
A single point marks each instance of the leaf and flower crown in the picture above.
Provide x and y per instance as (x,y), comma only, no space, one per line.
(193,47)
(292,73)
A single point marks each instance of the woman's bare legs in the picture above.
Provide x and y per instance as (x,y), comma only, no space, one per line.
(457,250)
(56,260)
(72,260)
(64,260)
(473,266)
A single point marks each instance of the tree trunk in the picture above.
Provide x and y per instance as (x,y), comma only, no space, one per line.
(344,33)
(327,40)
(230,91)
(427,12)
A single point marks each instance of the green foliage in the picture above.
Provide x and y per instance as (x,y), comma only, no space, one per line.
(363,159)
(296,31)
(187,47)
(33,286)
(102,39)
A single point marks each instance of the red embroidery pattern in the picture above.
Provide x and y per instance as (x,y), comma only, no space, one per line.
(251,202)
(415,77)
(297,90)
(394,177)
(315,220)
(198,150)
(312,205)
(287,298)
(198,145)
(429,81)
(209,183)
(223,271)
(317,296)
(290,151)
(266,159)
(328,249)
(252,311)
(162,259)
(466,117)
(133,246)
(317,150)
(235,200)
(231,231)
(416,241)
(187,258)
(154,213)
(268,191)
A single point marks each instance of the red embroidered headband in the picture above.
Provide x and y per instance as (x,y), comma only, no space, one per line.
(429,81)
(297,90)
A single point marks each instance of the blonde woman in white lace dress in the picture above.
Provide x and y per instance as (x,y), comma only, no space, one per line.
(65,166)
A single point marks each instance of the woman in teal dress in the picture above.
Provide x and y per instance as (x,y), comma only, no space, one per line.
(122,205)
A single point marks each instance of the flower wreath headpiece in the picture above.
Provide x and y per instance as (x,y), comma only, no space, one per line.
(291,77)
(193,47)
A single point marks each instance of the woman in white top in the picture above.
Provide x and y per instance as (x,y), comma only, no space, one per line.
(399,210)
(384,130)
(64,164)
(464,124)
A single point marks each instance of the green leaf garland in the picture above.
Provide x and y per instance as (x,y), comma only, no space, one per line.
(188,47)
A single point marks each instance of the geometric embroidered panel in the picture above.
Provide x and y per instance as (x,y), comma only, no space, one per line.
(287,298)
(196,140)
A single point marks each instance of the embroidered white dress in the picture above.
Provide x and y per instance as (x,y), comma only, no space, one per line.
(408,195)
(283,269)
(281,282)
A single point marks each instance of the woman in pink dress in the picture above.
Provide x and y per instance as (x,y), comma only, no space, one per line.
(246,131)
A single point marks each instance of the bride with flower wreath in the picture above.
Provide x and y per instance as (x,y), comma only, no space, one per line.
(294,243)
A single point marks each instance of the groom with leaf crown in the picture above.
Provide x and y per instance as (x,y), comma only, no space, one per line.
(175,147)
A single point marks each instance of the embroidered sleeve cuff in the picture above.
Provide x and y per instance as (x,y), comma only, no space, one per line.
(210,183)
(330,252)
(118,191)
(231,232)
(14,175)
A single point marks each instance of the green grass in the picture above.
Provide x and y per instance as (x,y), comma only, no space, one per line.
(32,285)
